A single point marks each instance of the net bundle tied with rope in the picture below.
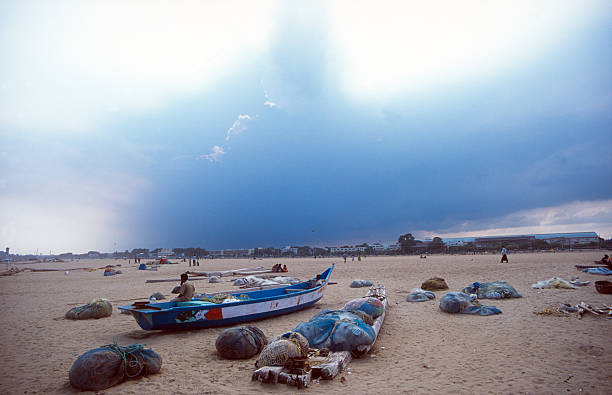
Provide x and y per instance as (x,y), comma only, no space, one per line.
(112,364)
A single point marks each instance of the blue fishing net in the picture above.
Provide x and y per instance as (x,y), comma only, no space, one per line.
(492,290)
(337,330)
(462,303)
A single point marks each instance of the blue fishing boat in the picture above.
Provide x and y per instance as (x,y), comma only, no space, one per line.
(237,307)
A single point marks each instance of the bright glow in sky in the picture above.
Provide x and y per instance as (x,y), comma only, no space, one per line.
(388,48)
(226,124)
(74,64)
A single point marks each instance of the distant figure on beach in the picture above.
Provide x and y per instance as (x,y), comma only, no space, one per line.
(186,291)
(605,260)
(344,256)
(504,257)
(353,258)
(359,256)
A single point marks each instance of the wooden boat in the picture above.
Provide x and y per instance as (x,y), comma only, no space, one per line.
(250,306)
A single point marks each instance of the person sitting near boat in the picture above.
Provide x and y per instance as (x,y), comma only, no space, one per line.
(284,269)
(605,260)
(186,290)
(278,268)
(315,282)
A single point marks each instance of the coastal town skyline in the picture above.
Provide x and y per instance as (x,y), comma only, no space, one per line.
(551,240)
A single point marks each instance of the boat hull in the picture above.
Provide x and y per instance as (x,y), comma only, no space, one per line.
(198,314)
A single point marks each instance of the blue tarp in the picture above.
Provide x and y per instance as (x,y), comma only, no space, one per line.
(462,303)
(420,295)
(492,290)
(337,330)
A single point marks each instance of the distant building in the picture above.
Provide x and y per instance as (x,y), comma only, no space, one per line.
(93,254)
(165,253)
(570,239)
(343,249)
(289,250)
(498,241)
(5,256)
(529,241)
(377,247)
(236,253)
(393,247)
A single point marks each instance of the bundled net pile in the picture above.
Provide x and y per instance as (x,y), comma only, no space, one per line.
(240,343)
(349,329)
(420,295)
(158,296)
(223,298)
(357,283)
(554,282)
(287,346)
(256,281)
(368,305)
(492,290)
(338,330)
(462,303)
(98,308)
(434,284)
(111,364)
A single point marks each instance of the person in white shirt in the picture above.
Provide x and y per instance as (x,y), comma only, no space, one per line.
(504,257)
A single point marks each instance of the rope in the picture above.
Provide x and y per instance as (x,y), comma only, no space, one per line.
(293,338)
(124,352)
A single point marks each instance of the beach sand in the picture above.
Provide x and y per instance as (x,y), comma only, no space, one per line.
(419,350)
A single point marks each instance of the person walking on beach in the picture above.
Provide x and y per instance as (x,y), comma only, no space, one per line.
(186,291)
(504,257)
(344,256)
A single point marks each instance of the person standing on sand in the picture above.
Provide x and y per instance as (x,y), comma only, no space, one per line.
(504,257)
(186,291)
(344,256)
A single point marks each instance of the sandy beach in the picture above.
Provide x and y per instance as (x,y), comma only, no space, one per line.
(420,349)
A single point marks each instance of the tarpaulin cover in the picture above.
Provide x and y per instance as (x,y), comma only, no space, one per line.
(337,330)
(462,303)
(492,290)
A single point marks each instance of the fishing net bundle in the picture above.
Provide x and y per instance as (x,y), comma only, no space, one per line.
(462,303)
(434,284)
(157,296)
(223,298)
(98,308)
(369,305)
(111,364)
(420,295)
(281,349)
(240,343)
(338,330)
(492,290)
(357,283)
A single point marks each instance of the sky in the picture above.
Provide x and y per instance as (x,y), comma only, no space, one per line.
(235,124)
